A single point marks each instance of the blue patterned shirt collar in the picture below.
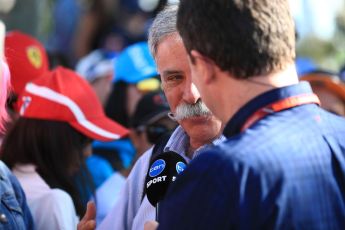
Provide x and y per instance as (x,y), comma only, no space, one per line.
(179,143)
(235,124)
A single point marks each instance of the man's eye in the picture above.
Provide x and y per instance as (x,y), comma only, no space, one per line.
(174,78)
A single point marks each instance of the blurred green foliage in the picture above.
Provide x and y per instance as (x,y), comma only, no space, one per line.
(327,54)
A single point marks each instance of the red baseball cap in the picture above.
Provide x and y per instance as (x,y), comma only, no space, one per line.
(26,57)
(62,95)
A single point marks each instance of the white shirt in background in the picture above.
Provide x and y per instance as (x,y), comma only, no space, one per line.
(108,194)
(50,208)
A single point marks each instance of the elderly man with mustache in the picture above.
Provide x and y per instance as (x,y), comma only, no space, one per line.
(198,127)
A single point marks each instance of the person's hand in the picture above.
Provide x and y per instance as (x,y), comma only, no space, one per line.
(151,225)
(88,222)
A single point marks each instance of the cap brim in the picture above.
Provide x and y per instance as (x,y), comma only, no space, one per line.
(101,128)
(157,117)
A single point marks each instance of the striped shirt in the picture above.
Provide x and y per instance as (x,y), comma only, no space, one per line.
(131,212)
(179,143)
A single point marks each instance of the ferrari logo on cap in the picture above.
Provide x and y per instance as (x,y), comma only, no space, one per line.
(34,56)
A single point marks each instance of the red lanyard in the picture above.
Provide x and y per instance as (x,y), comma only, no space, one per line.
(277,106)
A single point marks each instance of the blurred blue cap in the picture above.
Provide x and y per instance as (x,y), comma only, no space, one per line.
(97,64)
(304,65)
(134,64)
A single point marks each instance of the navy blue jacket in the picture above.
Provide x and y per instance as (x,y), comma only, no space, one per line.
(286,171)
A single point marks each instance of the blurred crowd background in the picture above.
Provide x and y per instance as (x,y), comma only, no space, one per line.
(70,29)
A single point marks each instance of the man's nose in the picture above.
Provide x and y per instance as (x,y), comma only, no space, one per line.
(191,94)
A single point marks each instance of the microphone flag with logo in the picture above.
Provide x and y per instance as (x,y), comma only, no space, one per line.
(162,171)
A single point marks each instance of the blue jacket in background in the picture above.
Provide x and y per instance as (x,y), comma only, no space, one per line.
(286,171)
(14,211)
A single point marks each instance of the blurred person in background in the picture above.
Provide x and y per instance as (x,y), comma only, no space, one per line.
(135,75)
(14,211)
(61,30)
(27,60)
(98,69)
(198,128)
(97,20)
(329,88)
(113,24)
(150,121)
(59,116)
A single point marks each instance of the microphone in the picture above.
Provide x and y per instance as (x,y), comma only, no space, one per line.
(162,171)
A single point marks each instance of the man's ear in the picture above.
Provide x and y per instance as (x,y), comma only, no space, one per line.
(203,65)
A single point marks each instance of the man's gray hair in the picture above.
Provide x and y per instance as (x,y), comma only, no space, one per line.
(163,25)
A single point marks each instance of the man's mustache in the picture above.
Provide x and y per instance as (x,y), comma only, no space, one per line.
(184,111)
